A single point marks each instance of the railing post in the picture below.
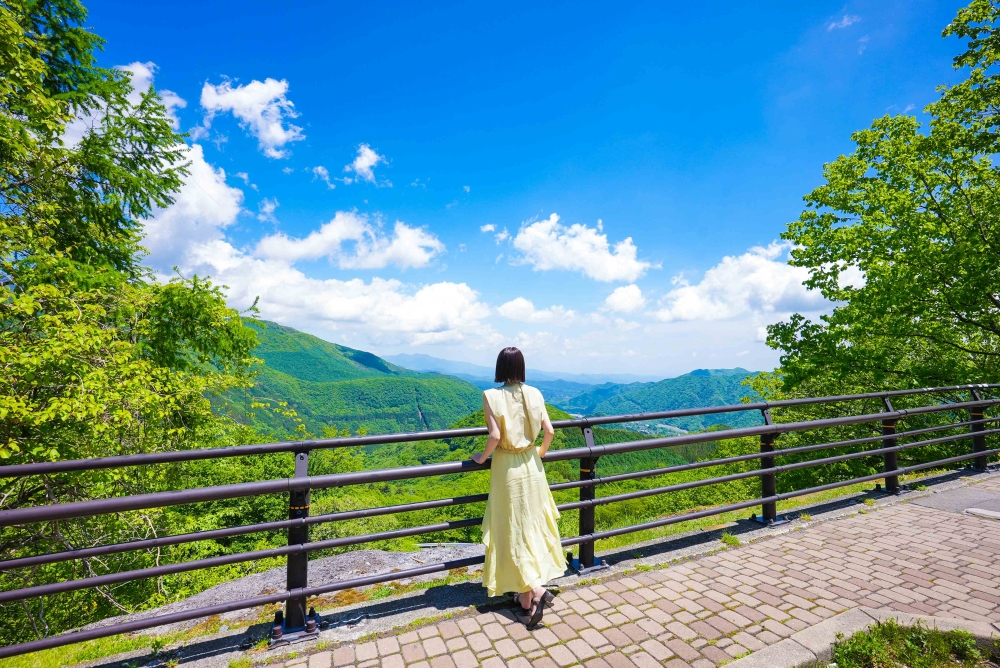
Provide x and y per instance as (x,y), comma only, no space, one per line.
(298,564)
(588,471)
(768,481)
(978,440)
(889,459)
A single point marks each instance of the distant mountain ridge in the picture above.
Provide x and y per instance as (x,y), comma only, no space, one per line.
(421,362)
(701,387)
(329,385)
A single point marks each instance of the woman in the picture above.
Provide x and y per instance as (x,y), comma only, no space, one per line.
(520,526)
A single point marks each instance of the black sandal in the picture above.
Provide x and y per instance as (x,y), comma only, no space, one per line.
(538,605)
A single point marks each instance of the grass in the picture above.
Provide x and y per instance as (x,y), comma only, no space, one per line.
(729,539)
(723,519)
(242,662)
(891,645)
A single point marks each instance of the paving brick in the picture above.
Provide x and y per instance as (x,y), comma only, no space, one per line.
(561,655)
(321,660)
(657,650)
(479,642)
(387,646)
(634,632)
(442,662)
(464,659)
(393,661)
(644,660)
(545,636)
(365,652)
(413,652)
(507,648)
(616,637)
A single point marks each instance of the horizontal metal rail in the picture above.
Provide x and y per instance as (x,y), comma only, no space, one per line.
(173,618)
(75,509)
(258,601)
(590,453)
(210,562)
(67,465)
(719,510)
(164,541)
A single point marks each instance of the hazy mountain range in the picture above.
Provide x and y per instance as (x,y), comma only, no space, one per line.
(331,385)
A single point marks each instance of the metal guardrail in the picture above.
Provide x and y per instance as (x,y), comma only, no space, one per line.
(296,622)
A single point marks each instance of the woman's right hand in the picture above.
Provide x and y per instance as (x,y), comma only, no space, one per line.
(479,457)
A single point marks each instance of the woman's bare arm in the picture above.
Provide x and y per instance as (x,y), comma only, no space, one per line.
(494,437)
(549,433)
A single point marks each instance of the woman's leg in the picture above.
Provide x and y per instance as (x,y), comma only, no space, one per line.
(525,598)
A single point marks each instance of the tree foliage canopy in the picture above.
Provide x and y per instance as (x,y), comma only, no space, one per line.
(915,208)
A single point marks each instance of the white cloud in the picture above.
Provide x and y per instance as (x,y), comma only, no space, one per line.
(548,245)
(847,20)
(203,207)
(626,299)
(862,44)
(261,107)
(466,188)
(502,236)
(266,209)
(287,170)
(369,247)
(524,310)
(190,234)
(364,164)
(488,228)
(321,172)
(142,79)
(243,176)
(758,282)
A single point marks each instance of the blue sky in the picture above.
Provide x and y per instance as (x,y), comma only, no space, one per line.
(643,160)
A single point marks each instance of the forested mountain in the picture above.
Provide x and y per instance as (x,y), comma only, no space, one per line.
(420,362)
(329,386)
(702,387)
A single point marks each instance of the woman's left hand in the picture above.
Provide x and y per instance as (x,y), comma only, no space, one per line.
(479,457)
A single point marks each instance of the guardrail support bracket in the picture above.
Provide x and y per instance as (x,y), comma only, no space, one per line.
(281,635)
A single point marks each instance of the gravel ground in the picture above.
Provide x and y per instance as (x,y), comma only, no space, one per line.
(321,571)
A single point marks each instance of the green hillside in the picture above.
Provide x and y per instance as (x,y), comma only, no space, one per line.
(332,386)
(702,387)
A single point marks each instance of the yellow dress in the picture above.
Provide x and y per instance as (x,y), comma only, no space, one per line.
(520,525)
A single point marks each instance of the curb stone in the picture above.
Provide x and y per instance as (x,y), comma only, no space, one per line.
(816,642)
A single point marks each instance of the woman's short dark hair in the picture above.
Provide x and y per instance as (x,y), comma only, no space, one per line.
(510,366)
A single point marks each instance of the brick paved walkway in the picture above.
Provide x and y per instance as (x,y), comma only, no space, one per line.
(705,612)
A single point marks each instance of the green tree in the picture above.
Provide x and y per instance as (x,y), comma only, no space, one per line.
(96,357)
(915,208)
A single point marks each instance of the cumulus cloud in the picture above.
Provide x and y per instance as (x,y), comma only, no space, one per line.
(626,299)
(353,241)
(262,109)
(488,228)
(845,21)
(547,245)
(266,209)
(363,166)
(190,234)
(523,310)
(759,281)
(204,206)
(321,172)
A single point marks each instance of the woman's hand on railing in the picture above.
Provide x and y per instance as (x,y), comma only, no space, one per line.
(479,457)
